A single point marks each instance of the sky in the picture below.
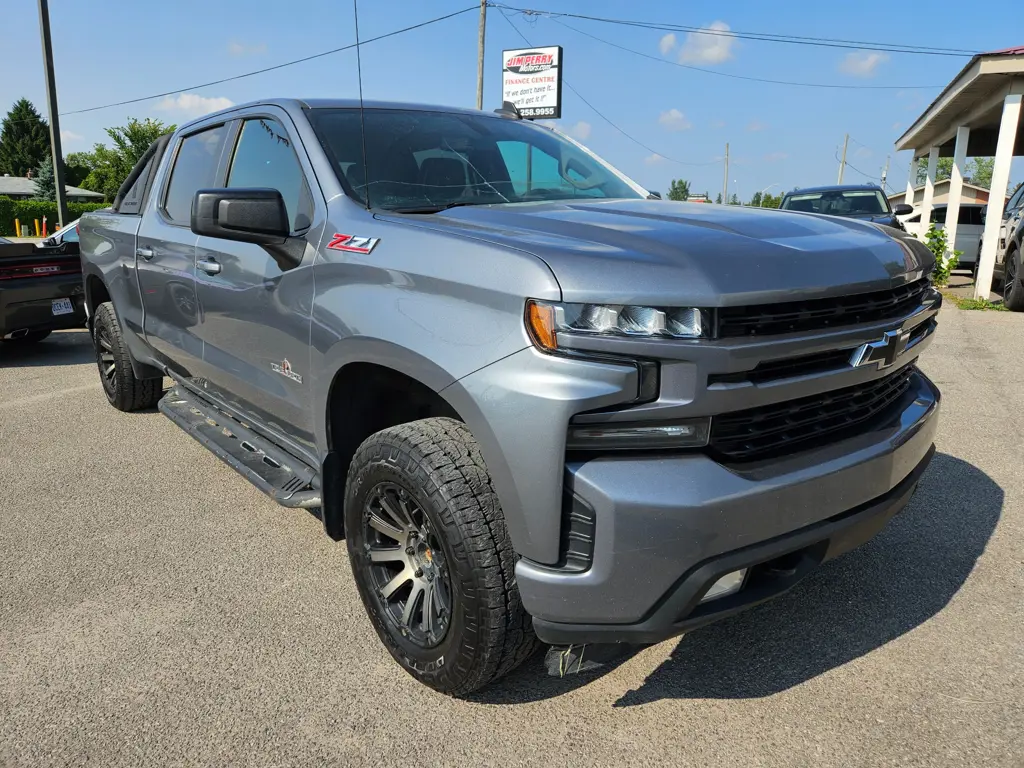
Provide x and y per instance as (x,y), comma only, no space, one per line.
(780,136)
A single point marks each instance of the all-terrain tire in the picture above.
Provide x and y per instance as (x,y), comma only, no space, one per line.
(1013,282)
(32,337)
(123,389)
(438,463)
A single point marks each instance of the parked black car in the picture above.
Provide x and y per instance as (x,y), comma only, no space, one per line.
(40,291)
(856,201)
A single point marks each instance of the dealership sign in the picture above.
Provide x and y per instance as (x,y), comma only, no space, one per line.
(531,78)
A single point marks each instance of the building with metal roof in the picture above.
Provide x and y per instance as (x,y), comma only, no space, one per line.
(978,114)
(21,188)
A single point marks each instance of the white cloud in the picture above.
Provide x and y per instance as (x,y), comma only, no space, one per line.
(192,104)
(674,120)
(70,136)
(243,49)
(667,43)
(654,160)
(580,131)
(862,63)
(863,152)
(718,124)
(709,47)
(756,125)
(774,157)
(896,126)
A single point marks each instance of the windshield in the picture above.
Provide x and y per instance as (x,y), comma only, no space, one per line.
(419,161)
(839,202)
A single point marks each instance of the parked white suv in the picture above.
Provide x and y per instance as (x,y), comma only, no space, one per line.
(969,229)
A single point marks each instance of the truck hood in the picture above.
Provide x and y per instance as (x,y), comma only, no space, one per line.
(668,253)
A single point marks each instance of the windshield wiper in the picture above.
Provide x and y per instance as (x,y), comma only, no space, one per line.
(435,208)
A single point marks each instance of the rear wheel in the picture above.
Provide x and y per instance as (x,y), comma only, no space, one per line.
(1013,290)
(123,389)
(32,337)
(431,557)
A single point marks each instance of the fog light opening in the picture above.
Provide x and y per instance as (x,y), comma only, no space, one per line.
(727,585)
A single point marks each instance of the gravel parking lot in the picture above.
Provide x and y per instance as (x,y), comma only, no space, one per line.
(156,609)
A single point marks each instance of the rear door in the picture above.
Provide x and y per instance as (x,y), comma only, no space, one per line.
(166,248)
(255,309)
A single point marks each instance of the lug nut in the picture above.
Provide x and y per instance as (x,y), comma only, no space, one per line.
(409,550)
(419,572)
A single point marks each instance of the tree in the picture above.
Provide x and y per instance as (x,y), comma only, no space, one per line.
(45,183)
(734,200)
(755,201)
(77,166)
(771,201)
(981,171)
(24,139)
(679,190)
(718,198)
(110,166)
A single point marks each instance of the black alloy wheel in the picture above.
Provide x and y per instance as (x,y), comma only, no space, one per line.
(408,567)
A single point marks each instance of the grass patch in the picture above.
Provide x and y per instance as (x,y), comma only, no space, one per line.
(975,304)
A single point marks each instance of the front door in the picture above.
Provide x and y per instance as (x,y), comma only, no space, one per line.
(166,252)
(255,308)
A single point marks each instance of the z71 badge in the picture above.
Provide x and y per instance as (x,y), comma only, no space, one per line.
(352,243)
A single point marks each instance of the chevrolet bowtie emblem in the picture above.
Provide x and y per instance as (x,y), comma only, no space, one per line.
(882,353)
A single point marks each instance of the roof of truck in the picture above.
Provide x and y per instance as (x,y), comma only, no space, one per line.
(835,188)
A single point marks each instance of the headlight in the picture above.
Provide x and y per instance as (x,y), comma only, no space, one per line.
(614,436)
(546,320)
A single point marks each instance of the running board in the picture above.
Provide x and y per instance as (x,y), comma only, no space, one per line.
(278,474)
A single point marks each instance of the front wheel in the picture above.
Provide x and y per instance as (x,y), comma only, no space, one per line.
(124,390)
(431,557)
(1013,290)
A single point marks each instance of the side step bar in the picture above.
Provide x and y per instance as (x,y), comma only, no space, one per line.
(287,480)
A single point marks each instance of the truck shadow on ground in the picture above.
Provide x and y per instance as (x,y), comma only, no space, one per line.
(850,607)
(59,348)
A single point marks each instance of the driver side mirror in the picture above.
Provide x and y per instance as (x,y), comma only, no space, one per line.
(902,210)
(252,215)
(654,195)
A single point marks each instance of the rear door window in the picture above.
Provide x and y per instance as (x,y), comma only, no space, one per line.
(195,168)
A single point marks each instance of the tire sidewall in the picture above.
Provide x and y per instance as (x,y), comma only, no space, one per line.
(102,324)
(445,666)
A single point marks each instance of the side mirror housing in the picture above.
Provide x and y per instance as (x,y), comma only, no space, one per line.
(902,210)
(654,195)
(248,215)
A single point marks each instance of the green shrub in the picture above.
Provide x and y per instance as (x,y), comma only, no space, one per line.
(945,260)
(26,211)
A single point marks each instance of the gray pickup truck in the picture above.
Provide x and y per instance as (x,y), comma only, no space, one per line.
(536,403)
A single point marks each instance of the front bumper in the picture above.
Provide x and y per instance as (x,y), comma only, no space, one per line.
(26,304)
(667,527)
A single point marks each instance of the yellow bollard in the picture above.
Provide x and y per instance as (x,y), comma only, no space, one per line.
(17,228)
(37,227)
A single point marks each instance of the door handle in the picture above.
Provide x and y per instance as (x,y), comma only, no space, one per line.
(209,266)
(146,253)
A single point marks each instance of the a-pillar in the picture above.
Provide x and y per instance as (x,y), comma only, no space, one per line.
(956,185)
(929,190)
(997,195)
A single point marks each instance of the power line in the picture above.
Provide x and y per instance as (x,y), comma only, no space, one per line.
(600,114)
(272,68)
(743,77)
(824,42)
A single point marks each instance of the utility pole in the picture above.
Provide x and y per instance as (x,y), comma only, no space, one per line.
(842,163)
(725,180)
(51,102)
(480,56)
(885,172)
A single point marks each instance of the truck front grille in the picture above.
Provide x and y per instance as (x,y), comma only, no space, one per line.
(783,427)
(820,314)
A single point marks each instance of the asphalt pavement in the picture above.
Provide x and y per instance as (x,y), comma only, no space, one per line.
(155,609)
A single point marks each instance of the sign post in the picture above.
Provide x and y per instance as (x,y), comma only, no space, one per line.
(531,78)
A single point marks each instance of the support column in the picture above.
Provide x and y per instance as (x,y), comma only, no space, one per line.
(929,190)
(997,194)
(911,184)
(956,185)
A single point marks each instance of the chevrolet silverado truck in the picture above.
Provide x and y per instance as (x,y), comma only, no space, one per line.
(537,405)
